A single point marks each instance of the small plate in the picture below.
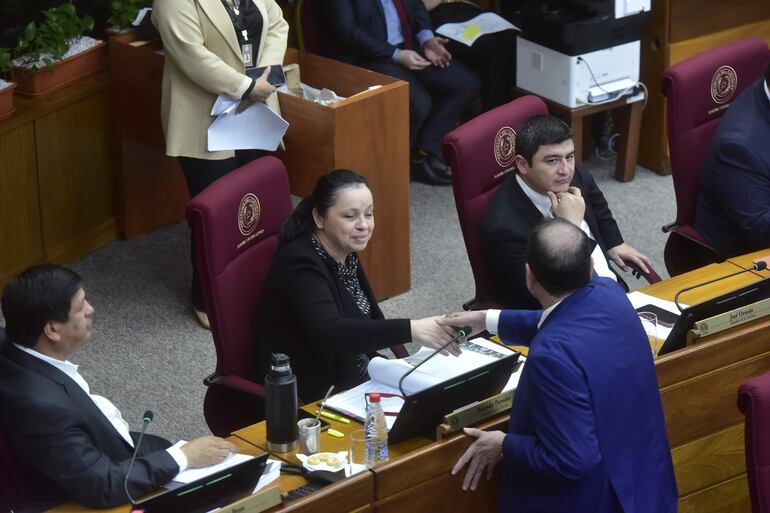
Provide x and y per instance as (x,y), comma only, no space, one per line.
(320,461)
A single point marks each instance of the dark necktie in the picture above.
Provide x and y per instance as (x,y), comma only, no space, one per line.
(406,29)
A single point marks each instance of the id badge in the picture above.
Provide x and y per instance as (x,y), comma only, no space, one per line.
(248,54)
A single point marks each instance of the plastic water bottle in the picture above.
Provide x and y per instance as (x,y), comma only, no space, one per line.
(376,432)
(281,405)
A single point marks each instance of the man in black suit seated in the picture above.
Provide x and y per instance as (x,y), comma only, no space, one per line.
(395,37)
(72,443)
(546,183)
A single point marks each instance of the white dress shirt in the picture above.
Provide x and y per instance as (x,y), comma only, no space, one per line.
(492,319)
(109,410)
(543,205)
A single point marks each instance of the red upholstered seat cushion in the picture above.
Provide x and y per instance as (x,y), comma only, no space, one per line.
(236,222)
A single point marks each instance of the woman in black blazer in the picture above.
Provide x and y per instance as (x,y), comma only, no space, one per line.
(317,305)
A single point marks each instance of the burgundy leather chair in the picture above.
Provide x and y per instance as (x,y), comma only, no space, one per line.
(699,91)
(754,403)
(236,222)
(480,153)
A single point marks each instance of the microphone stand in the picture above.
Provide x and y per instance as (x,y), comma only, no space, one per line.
(759,265)
(464,332)
(146,419)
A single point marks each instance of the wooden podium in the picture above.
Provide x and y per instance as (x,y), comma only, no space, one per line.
(367,132)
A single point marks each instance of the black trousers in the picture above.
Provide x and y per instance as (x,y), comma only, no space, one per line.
(492,56)
(437,98)
(200,173)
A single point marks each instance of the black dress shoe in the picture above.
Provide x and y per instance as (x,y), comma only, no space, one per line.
(424,173)
(437,163)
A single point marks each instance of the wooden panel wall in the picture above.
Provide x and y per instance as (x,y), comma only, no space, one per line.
(75,155)
(21,241)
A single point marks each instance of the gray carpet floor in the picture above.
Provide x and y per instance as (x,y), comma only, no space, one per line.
(148,352)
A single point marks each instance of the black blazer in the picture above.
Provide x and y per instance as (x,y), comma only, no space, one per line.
(510,218)
(69,447)
(361,32)
(308,314)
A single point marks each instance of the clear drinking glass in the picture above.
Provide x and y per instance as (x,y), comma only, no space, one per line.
(357,451)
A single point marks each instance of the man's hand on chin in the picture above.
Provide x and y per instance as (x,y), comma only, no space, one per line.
(568,205)
(483,454)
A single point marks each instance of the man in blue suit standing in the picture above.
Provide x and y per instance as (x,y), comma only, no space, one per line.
(733,211)
(586,432)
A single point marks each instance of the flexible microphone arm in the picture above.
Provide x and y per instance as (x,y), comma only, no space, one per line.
(759,265)
(146,419)
(464,332)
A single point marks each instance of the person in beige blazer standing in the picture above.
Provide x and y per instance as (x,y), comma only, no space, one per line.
(208,46)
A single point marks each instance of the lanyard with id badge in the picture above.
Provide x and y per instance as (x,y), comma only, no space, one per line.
(239,22)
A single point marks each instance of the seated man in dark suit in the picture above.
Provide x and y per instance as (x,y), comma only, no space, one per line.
(395,37)
(733,211)
(74,444)
(547,184)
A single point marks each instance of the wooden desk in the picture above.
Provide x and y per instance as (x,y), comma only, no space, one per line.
(628,120)
(745,261)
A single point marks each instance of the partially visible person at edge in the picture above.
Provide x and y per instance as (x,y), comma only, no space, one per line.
(586,432)
(317,305)
(208,46)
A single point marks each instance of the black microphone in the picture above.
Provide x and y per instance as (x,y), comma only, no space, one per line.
(146,419)
(464,332)
(758,265)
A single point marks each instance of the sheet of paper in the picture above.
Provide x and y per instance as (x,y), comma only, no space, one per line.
(256,128)
(513,382)
(192,474)
(352,403)
(271,473)
(469,31)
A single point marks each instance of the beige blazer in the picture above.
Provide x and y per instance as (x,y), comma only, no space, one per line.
(203,61)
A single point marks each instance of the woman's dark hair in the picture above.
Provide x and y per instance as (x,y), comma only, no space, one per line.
(325,195)
(35,297)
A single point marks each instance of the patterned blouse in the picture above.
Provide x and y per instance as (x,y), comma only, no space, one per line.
(347,273)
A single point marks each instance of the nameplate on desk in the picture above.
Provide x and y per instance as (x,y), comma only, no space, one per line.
(260,501)
(476,412)
(731,318)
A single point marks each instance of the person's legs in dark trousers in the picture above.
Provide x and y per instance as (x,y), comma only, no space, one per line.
(494,57)
(452,89)
(199,174)
(420,102)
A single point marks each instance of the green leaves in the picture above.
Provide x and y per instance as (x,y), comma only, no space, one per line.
(51,39)
(124,11)
(5,62)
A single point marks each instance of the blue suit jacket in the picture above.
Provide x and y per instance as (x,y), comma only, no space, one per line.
(360,28)
(733,211)
(587,433)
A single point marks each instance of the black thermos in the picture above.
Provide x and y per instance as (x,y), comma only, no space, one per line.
(281,405)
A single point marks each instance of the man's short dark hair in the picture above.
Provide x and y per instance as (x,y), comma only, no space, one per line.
(35,297)
(559,255)
(537,131)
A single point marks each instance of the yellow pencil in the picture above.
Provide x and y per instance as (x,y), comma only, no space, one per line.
(334,417)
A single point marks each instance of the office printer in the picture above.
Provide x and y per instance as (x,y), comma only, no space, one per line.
(578,52)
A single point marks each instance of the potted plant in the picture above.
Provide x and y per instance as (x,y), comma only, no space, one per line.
(124,12)
(54,53)
(6,86)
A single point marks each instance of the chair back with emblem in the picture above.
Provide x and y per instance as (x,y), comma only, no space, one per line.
(754,403)
(480,154)
(236,222)
(699,91)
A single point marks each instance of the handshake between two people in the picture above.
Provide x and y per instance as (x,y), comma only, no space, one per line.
(437,331)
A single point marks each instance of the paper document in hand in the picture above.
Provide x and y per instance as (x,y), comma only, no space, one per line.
(256,128)
(385,375)
(467,32)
